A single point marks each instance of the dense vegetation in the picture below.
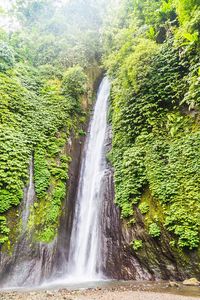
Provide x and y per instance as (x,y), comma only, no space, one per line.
(151,51)
(46,69)
(152,55)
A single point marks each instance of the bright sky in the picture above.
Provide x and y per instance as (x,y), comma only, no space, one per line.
(5,3)
(7,22)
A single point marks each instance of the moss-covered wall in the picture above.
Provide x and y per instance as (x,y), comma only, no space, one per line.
(154,65)
(54,112)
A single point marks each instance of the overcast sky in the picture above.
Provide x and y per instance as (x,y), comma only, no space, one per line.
(5,3)
(6,22)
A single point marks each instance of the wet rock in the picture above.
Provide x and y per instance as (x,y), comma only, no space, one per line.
(173,284)
(192,282)
(118,261)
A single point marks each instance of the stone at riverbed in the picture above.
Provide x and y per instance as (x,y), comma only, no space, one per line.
(173,284)
(191,281)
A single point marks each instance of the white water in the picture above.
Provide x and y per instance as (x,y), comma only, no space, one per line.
(29,198)
(85,244)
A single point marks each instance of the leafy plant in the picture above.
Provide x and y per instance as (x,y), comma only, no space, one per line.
(4,230)
(7,59)
(136,244)
(154,230)
(144,208)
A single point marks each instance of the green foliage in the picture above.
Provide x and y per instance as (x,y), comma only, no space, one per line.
(154,230)
(128,192)
(185,9)
(184,221)
(9,199)
(52,214)
(144,207)
(136,245)
(155,114)
(42,87)
(131,222)
(35,117)
(74,83)
(7,59)
(41,173)
(61,34)
(45,215)
(4,230)
(13,168)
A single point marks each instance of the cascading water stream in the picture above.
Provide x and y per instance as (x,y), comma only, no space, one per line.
(85,244)
(29,197)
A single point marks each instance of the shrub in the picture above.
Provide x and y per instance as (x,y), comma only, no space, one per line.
(136,244)
(74,83)
(144,207)
(7,59)
(4,230)
(154,230)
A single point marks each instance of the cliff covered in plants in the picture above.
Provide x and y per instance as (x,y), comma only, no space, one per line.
(48,70)
(152,56)
(49,66)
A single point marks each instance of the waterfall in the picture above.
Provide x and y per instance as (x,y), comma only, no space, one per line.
(29,197)
(85,243)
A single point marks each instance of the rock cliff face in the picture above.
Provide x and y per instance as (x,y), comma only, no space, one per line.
(118,262)
(156,254)
(155,260)
(64,231)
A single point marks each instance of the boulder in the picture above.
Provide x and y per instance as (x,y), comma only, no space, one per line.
(191,281)
(173,284)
